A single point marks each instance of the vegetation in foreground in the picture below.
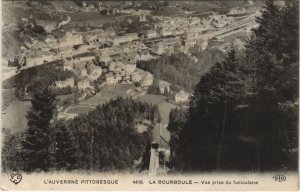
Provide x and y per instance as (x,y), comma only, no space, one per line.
(104,139)
(243,115)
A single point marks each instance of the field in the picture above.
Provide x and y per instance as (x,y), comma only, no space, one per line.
(164,109)
(114,91)
(110,92)
(95,100)
(105,95)
(80,109)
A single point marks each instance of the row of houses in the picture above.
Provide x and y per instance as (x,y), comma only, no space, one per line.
(84,68)
(82,84)
(122,75)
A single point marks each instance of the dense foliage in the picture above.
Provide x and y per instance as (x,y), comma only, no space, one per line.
(11,151)
(63,148)
(180,69)
(105,139)
(176,124)
(244,113)
(36,144)
(34,79)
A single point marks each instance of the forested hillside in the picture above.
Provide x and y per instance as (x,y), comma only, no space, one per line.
(243,115)
(105,139)
(180,69)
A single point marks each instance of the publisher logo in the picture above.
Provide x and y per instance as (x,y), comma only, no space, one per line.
(15,178)
(279,178)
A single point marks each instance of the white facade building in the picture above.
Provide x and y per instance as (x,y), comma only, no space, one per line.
(65,83)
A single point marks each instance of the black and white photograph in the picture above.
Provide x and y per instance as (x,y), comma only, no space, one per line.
(150,95)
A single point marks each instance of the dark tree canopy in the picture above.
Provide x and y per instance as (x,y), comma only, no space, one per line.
(107,138)
(35,146)
(180,69)
(243,114)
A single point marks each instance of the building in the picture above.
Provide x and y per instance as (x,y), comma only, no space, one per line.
(147,80)
(237,11)
(113,78)
(84,84)
(164,85)
(84,58)
(80,69)
(157,49)
(68,64)
(33,60)
(204,44)
(116,66)
(110,78)
(151,34)
(95,74)
(84,4)
(190,40)
(118,77)
(52,43)
(109,51)
(69,40)
(129,37)
(66,83)
(164,32)
(129,67)
(143,77)
(178,31)
(90,67)
(143,56)
(137,76)
(182,97)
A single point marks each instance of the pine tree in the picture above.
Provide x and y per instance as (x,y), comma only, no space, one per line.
(106,138)
(176,124)
(278,84)
(241,117)
(201,142)
(64,148)
(274,44)
(36,143)
(11,151)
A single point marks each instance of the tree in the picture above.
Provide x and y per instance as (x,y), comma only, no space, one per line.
(273,45)
(11,151)
(273,54)
(175,126)
(166,91)
(154,88)
(64,148)
(137,84)
(201,141)
(242,116)
(107,139)
(180,69)
(35,146)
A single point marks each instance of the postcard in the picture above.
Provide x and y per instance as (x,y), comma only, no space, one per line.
(150,95)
